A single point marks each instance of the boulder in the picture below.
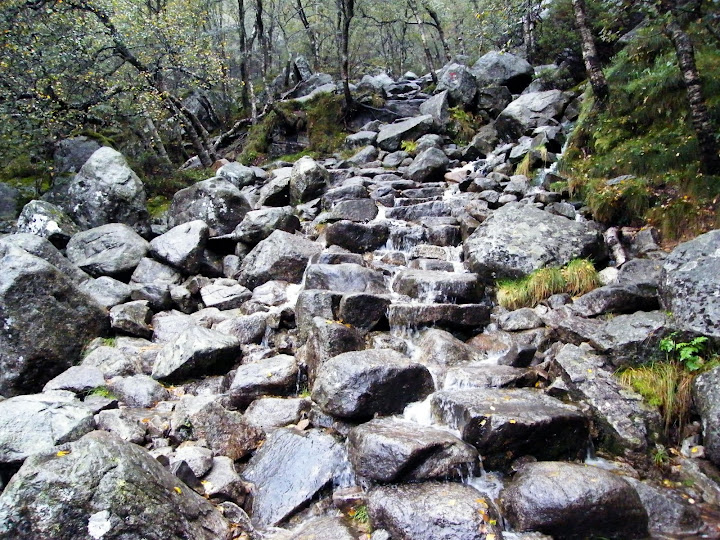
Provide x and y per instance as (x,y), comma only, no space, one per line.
(326,339)
(132,318)
(503,69)
(45,321)
(223,482)
(224,294)
(572,501)
(308,179)
(460,84)
(434,511)
(289,470)
(138,391)
(257,225)
(689,286)
(357,385)
(429,165)
(106,190)
(196,351)
(493,99)
(357,210)
(530,111)
(72,153)
(345,277)
(36,423)
(182,246)
(517,239)
(48,221)
(437,106)
(409,129)
(706,395)
(323,528)
(454,316)
(431,286)
(505,424)
(357,237)
(103,487)
(40,247)
(238,174)
(9,202)
(396,450)
(361,139)
(281,256)
(77,379)
(275,376)
(112,250)
(272,412)
(363,310)
(217,202)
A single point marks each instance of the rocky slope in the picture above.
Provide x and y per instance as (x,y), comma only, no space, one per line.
(314,351)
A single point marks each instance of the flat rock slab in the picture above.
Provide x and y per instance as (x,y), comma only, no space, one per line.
(277,376)
(433,511)
(109,250)
(396,450)
(517,239)
(572,501)
(504,424)
(196,351)
(431,286)
(345,277)
(102,487)
(36,423)
(357,385)
(402,315)
(390,136)
(287,472)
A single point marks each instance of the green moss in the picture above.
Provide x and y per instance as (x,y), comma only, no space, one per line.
(325,120)
(158,205)
(102,391)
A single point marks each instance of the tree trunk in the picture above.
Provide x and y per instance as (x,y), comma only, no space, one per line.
(441,33)
(346,12)
(155,139)
(701,122)
(242,39)
(592,62)
(310,33)
(424,39)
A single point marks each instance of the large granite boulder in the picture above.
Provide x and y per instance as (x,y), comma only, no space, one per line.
(391,135)
(429,165)
(40,247)
(217,202)
(47,220)
(112,250)
(517,239)
(281,256)
(103,487)
(573,501)
(503,69)
(530,111)
(706,394)
(37,423)
(182,246)
(45,321)
(689,286)
(106,190)
(308,179)
(257,225)
(460,84)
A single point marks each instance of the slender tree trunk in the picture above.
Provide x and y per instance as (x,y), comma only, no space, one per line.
(155,139)
(242,39)
(346,12)
(441,33)
(529,30)
(424,39)
(262,38)
(312,37)
(592,62)
(701,122)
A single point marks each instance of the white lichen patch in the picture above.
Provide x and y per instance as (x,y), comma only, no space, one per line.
(99,524)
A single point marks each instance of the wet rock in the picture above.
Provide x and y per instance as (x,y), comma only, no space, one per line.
(351,189)
(503,69)
(113,250)
(308,179)
(288,471)
(623,420)
(517,239)
(96,474)
(311,304)
(530,111)
(106,190)
(216,202)
(327,339)
(443,315)
(391,135)
(36,423)
(257,225)
(275,376)
(270,413)
(281,256)
(433,511)
(46,220)
(416,212)
(488,376)
(138,391)
(345,277)
(397,450)
(614,299)
(668,513)
(706,395)
(689,287)
(76,379)
(504,424)
(247,328)
(572,501)
(323,528)
(434,286)
(428,166)
(360,384)
(357,237)
(132,318)
(356,210)
(362,310)
(45,321)
(182,246)
(196,351)
(460,84)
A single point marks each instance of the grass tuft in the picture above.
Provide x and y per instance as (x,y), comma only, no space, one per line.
(580,277)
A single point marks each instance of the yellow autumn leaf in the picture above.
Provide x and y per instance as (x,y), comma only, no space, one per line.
(62,453)
(178,490)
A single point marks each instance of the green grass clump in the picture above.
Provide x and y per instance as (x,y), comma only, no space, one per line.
(577,277)
(109,341)
(463,125)
(409,146)
(580,277)
(101,391)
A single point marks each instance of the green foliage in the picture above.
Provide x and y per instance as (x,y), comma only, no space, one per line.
(688,353)
(158,205)
(102,391)
(462,126)
(577,277)
(660,456)
(109,341)
(409,146)
(646,131)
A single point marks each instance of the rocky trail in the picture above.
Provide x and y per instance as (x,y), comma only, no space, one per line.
(316,351)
